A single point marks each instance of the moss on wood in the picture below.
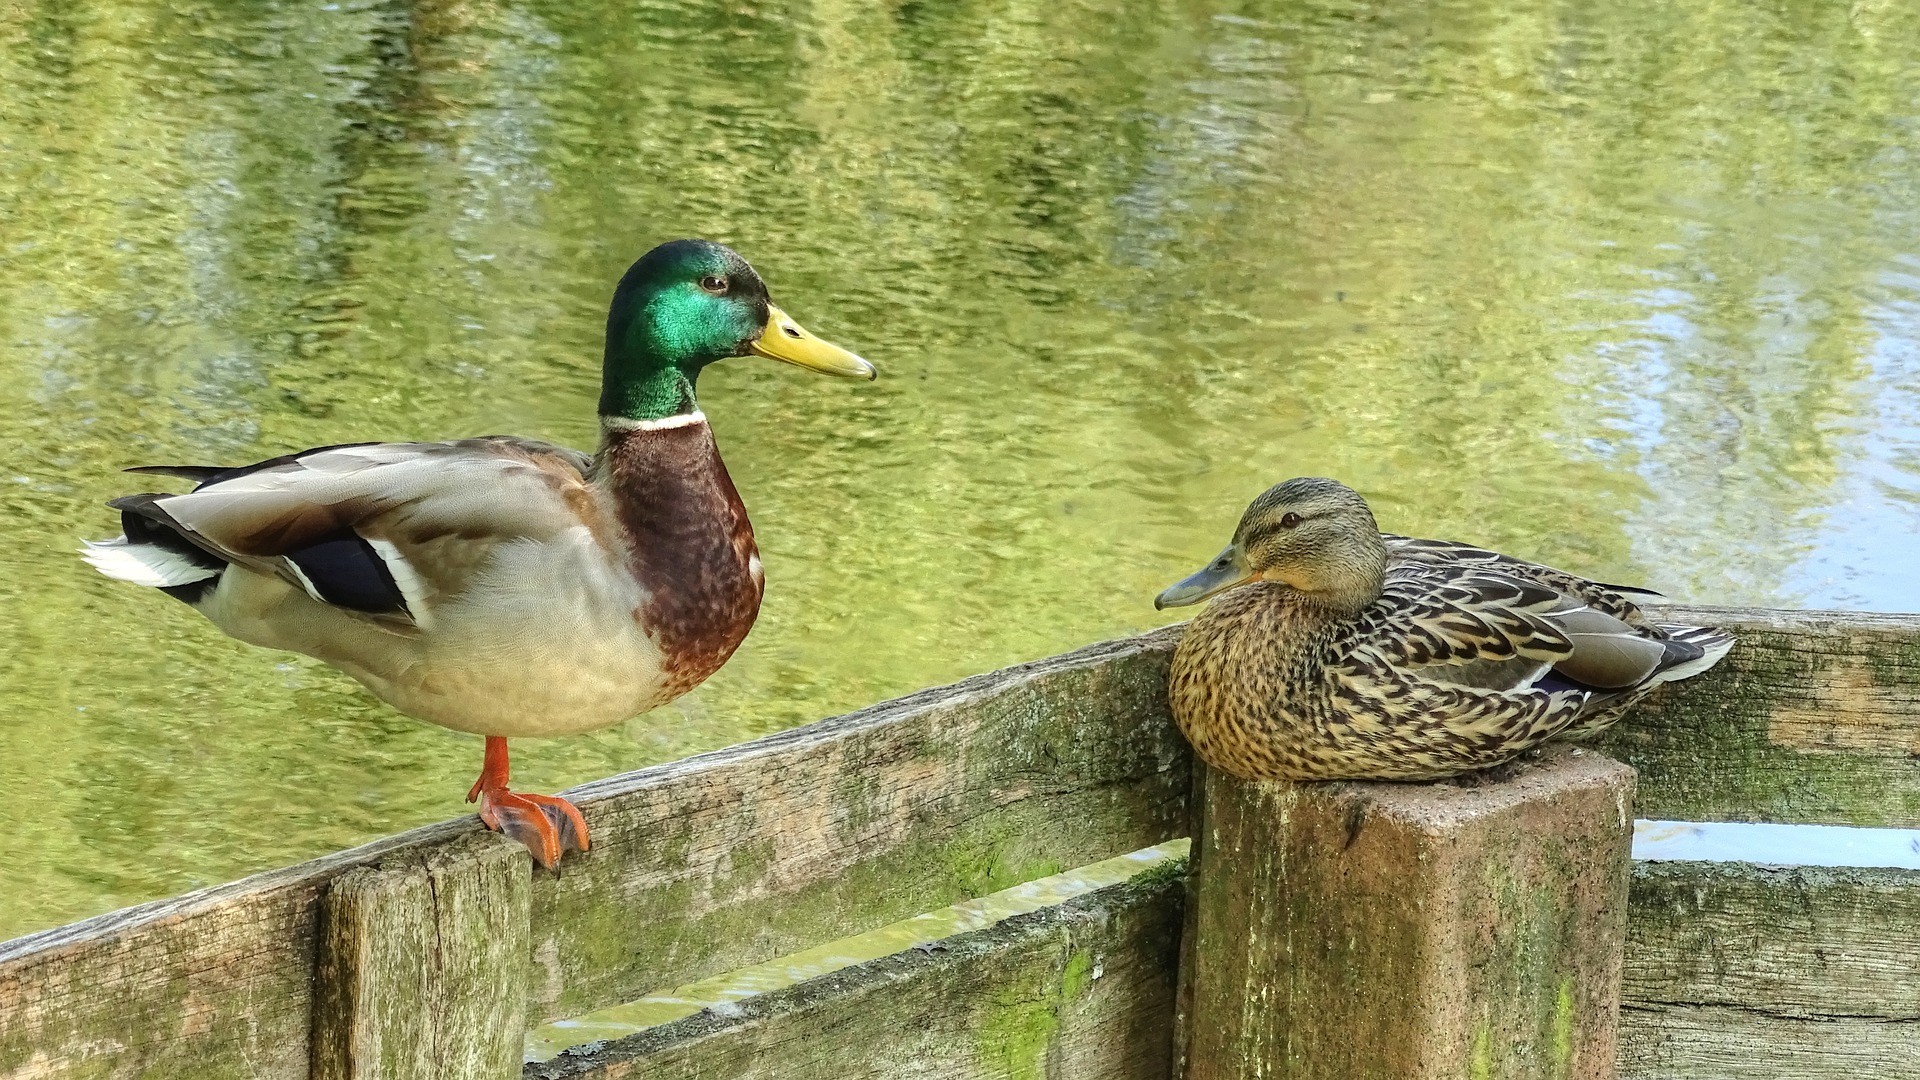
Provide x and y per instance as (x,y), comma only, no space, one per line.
(821,832)
(1399,932)
(698,866)
(1814,717)
(1079,991)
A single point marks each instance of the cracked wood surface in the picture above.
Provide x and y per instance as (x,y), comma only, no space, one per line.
(1081,990)
(423,966)
(698,866)
(1743,972)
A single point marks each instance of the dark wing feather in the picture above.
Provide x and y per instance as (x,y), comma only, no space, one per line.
(346,572)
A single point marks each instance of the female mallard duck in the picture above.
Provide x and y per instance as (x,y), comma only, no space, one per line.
(500,585)
(1347,654)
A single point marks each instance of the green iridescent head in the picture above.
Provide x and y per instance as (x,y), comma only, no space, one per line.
(684,305)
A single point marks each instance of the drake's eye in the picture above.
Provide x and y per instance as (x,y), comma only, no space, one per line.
(1288,521)
(714,285)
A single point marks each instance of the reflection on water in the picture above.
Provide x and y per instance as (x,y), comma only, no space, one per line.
(1525,273)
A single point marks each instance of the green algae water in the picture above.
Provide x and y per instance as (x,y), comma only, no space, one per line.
(1632,288)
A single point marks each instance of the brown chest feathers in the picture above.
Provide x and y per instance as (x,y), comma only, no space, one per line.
(689,545)
(1240,695)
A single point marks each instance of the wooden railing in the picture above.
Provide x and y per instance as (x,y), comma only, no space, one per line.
(426,954)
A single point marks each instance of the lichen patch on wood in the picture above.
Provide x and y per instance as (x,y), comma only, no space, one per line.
(1813,717)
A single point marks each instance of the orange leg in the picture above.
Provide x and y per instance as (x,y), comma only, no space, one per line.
(549,825)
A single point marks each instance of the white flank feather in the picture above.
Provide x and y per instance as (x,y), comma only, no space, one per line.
(412,586)
(143,564)
(305,581)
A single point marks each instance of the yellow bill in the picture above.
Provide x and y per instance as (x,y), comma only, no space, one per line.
(784,339)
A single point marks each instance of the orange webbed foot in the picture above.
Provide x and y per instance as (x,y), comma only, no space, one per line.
(548,825)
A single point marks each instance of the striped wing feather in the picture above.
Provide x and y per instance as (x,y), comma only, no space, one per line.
(1458,642)
(1511,652)
(1615,600)
(347,522)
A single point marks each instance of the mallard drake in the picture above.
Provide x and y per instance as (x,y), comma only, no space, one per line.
(500,585)
(1336,652)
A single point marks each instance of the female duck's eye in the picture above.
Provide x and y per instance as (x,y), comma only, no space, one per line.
(1288,521)
(714,285)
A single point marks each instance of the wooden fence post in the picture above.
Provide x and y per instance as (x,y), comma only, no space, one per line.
(423,966)
(1409,931)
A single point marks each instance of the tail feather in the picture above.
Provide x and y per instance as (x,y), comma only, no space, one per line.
(1712,642)
(199,474)
(153,553)
(145,564)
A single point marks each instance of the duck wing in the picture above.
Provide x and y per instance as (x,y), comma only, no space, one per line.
(1498,653)
(384,529)
(1441,675)
(1620,601)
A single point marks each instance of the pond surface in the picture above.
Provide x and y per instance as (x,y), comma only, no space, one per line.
(1633,288)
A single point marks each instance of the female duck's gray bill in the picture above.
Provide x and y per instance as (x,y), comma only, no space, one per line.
(1228,569)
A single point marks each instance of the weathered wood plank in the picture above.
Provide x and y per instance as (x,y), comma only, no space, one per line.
(1379,931)
(423,966)
(212,984)
(757,851)
(1714,1042)
(1814,717)
(698,866)
(1740,971)
(1079,991)
(734,857)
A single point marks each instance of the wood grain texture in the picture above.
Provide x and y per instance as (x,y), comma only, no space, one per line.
(698,866)
(1409,931)
(423,966)
(1742,971)
(1714,1042)
(1813,717)
(1078,991)
(720,861)
(213,984)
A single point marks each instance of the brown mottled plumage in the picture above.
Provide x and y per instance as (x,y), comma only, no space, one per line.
(1340,653)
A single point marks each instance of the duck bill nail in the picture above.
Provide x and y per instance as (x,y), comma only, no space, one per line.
(784,339)
(1223,573)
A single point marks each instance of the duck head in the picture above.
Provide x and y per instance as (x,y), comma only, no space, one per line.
(684,305)
(1314,535)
